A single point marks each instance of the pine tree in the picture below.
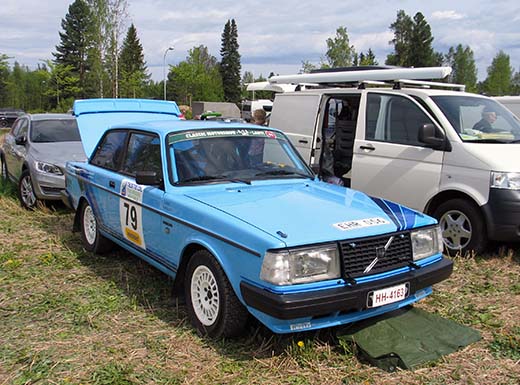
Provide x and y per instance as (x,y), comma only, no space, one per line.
(230,63)
(4,76)
(368,59)
(133,71)
(75,41)
(402,28)
(461,60)
(500,76)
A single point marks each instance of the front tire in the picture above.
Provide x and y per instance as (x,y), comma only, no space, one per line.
(3,169)
(462,226)
(213,308)
(92,240)
(26,193)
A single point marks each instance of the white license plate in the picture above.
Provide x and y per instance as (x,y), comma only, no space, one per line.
(388,295)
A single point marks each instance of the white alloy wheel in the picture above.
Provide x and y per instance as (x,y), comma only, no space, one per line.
(456,229)
(89,225)
(205,295)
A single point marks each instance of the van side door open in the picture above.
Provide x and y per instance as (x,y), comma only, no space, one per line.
(388,151)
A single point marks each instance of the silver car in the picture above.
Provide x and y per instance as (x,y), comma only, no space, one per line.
(33,155)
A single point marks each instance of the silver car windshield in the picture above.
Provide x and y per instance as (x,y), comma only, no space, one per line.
(480,120)
(56,130)
(242,155)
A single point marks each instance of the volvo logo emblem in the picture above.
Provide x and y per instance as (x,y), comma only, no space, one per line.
(380,253)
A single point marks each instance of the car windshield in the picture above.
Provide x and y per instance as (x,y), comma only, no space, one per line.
(479,120)
(241,155)
(55,130)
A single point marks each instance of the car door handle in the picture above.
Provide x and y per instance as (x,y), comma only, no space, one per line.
(112,184)
(367,147)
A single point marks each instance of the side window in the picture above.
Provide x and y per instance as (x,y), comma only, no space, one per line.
(143,154)
(21,127)
(109,152)
(394,119)
(16,127)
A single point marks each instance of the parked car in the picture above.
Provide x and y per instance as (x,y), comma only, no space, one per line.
(8,116)
(232,213)
(33,155)
(426,145)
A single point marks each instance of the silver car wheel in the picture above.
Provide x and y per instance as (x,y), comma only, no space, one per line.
(456,229)
(27,192)
(3,169)
(89,225)
(204,295)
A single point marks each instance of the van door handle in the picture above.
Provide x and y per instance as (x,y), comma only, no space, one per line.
(112,184)
(304,141)
(367,147)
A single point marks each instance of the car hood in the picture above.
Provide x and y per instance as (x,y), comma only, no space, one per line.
(497,157)
(95,116)
(58,153)
(311,212)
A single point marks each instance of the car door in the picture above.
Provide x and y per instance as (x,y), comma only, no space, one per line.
(139,218)
(389,161)
(16,153)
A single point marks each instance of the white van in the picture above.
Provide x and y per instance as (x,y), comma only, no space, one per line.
(250,106)
(448,153)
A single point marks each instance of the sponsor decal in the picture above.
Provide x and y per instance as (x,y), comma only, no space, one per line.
(223,134)
(300,326)
(130,213)
(360,223)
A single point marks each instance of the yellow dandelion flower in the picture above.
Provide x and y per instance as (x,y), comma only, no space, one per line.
(300,344)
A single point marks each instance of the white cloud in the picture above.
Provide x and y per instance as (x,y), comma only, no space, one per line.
(448,15)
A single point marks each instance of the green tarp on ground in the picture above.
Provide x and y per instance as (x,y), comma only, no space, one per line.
(407,338)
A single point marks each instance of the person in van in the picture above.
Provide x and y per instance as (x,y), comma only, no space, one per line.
(486,123)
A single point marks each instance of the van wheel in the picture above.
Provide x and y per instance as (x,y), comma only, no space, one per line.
(26,191)
(462,227)
(213,308)
(92,239)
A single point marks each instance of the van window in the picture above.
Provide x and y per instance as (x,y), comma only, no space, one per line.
(394,119)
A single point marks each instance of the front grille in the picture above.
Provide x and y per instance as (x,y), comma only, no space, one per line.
(358,254)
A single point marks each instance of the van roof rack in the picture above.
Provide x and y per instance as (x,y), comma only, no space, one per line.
(372,75)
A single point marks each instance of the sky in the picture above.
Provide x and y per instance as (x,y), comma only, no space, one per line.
(274,35)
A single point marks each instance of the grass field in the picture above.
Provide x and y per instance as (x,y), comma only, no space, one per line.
(70,317)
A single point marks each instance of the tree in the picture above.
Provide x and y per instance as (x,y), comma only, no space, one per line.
(75,42)
(412,42)
(402,28)
(133,74)
(307,67)
(500,76)
(461,60)
(4,76)
(230,63)
(368,59)
(339,51)
(196,78)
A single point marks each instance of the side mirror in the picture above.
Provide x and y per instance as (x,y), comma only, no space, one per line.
(20,140)
(148,178)
(434,138)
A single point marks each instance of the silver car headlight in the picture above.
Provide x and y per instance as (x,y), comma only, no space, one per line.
(48,168)
(426,243)
(505,180)
(301,265)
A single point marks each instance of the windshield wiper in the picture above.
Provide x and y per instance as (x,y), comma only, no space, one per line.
(488,141)
(283,172)
(223,178)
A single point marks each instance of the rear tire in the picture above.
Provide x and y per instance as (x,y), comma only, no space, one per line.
(462,226)
(92,240)
(213,308)
(26,193)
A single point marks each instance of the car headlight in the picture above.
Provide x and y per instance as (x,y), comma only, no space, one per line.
(505,180)
(48,168)
(301,265)
(426,243)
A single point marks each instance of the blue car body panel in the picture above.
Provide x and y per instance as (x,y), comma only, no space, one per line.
(236,222)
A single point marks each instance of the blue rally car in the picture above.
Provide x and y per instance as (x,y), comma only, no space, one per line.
(233,213)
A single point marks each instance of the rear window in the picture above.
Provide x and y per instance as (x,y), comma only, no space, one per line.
(57,130)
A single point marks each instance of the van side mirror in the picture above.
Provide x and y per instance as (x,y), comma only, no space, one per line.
(433,137)
(148,178)
(20,140)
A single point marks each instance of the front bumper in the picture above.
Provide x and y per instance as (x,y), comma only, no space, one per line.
(48,187)
(347,299)
(502,212)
